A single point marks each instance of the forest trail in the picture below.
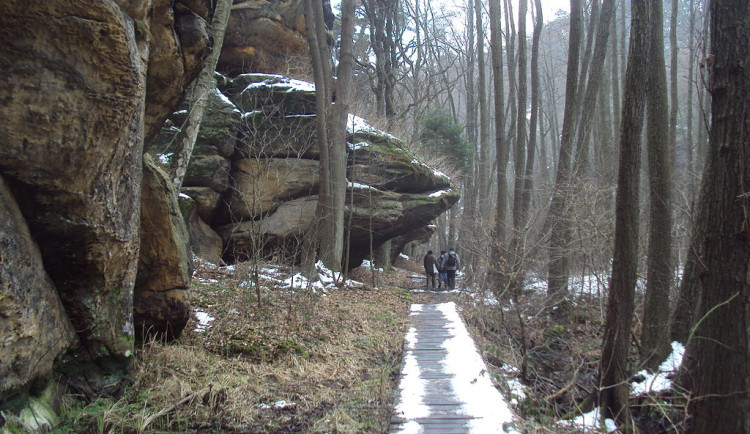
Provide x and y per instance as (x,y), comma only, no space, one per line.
(444,386)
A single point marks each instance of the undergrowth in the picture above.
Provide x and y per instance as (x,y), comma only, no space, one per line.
(302,362)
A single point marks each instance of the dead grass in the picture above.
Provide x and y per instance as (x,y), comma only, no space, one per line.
(301,362)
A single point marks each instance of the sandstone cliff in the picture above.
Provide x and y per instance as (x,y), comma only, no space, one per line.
(259,195)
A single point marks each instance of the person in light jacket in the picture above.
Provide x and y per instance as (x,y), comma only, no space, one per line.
(451,262)
(430,270)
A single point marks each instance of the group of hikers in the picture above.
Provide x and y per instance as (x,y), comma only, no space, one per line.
(443,267)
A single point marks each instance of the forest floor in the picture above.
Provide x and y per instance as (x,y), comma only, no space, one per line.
(282,358)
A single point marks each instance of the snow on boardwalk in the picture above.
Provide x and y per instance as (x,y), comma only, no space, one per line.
(444,385)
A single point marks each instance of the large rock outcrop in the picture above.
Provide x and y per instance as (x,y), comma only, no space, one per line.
(270,200)
(85,87)
(265,36)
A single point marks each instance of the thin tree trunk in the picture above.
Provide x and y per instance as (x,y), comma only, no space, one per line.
(535,111)
(613,372)
(559,218)
(519,163)
(197,97)
(501,148)
(654,345)
(592,90)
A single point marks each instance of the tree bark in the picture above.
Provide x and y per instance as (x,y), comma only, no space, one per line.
(654,345)
(559,218)
(197,96)
(718,357)
(499,233)
(613,372)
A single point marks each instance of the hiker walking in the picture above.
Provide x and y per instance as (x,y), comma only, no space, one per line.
(442,276)
(430,269)
(450,264)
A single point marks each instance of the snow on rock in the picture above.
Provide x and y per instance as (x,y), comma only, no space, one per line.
(290,84)
(402,256)
(439,193)
(659,380)
(356,124)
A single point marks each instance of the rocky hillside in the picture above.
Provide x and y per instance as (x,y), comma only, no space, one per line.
(254,175)
(95,250)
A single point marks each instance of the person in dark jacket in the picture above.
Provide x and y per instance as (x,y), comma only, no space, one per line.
(450,264)
(441,271)
(430,269)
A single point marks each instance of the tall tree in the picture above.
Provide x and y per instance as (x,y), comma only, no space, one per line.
(654,345)
(519,163)
(327,235)
(197,96)
(718,357)
(501,148)
(613,373)
(688,297)
(558,220)
(535,108)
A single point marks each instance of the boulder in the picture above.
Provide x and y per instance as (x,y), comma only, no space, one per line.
(381,161)
(204,241)
(165,262)
(206,201)
(179,40)
(73,92)
(33,323)
(260,185)
(281,232)
(208,171)
(265,36)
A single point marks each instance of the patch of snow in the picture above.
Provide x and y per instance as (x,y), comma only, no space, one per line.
(226,100)
(165,158)
(368,265)
(204,321)
(411,405)
(471,381)
(658,381)
(439,193)
(402,256)
(359,186)
(180,112)
(357,146)
(252,113)
(289,84)
(356,124)
(185,196)
(589,422)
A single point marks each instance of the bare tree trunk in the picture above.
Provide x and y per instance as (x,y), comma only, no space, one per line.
(718,356)
(535,110)
(688,298)
(316,37)
(501,148)
(592,90)
(673,94)
(613,372)
(483,165)
(654,345)
(558,217)
(198,96)
(519,163)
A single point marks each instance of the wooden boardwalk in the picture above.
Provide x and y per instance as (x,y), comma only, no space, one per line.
(444,385)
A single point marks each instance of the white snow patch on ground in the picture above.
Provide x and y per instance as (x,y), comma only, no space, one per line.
(402,256)
(589,422)
(658,381)
(204,321)
(165,158)
(368,265)
(471,382)
(326,280)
